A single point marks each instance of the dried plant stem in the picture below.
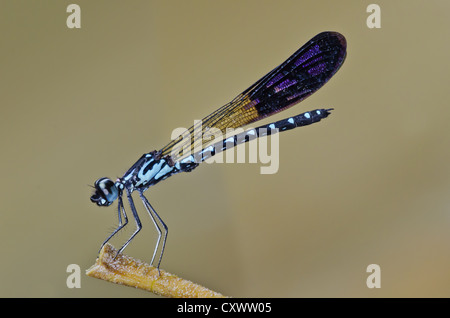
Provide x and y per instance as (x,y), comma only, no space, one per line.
(134,273)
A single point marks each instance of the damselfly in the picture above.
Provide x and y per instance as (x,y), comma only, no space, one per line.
(298,77)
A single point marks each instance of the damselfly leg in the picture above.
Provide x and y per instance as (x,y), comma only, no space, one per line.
(136,218)
(120,211)
(162,233)
(155,218)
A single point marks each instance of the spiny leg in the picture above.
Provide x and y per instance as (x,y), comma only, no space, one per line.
(153,214)
(136,218)
(120,210)
(156,225)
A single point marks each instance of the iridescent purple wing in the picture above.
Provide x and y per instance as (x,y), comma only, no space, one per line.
(300,75)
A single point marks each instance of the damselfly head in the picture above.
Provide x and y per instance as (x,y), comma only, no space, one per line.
(105,192)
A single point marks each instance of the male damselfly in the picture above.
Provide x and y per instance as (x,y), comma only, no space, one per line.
(299,76)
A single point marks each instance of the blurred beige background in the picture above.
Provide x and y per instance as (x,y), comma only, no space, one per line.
(369,185)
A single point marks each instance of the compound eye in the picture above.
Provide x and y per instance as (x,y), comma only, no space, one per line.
(106,192)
